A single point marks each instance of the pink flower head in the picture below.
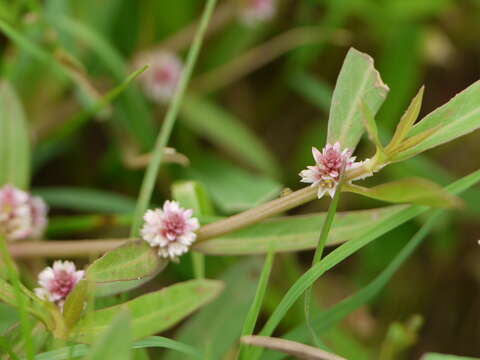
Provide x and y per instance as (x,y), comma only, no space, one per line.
(58,281)
(160,80)
(22,216)
(171,229)
(257,11)
(328,167)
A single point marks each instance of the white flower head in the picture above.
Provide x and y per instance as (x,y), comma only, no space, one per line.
(328,167)
(253,12)
(160,80)
(58,281)
(22,216)
(170,229)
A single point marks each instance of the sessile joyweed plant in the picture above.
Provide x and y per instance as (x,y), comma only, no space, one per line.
(63,304)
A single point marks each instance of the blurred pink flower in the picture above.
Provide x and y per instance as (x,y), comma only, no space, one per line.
(171,229)
(58,281)
(160,80)
(253,12)
(22,216)
(328,168)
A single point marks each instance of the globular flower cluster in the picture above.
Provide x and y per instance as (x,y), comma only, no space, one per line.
(22,216)
(254,12)
(171,229)
(58,281)
(161,79)
(329,164)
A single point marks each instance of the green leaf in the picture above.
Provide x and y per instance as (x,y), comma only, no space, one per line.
(14,139)
(115,343)
(75,303)
(7,293)
(408,119)
(231,188)
(125,268)
(358,81)
(458,117)
(223,129)
(76,351)
(295,233)
(347,249)
(154,312)
(256,307)
(327,319)
(192,195)
(411,190)
(225,316)
(83,199)
(370,125)
(434,356)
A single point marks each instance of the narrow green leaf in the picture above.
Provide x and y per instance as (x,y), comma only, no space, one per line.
(295,233)
(153,312)
(125,268)
(75,303)
(115,343)
(84,199)
(328,318)
(348,249)
(76,351)
(407,120)
(411,190)
(223,129)
(225,316)
(358,81)
(434,356)
(458,117)
(370,125)
(256,307)
(7,293)
(14,139)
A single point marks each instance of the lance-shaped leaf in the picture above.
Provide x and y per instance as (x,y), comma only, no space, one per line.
(434,356)
(7,293)
(458,117)
(357,82)
(14,141)
(370,125)
(75,303)
(116,342)
(223,317)
(407,120)
(412,190)
(154,312)
(125,268)
(294,233)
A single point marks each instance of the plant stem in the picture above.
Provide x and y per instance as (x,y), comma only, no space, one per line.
(167,126)
(327,225)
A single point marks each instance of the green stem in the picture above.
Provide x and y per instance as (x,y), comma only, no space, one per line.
(327,225)
(13,276)
(164,135)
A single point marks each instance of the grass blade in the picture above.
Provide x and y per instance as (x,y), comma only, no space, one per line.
(172,112)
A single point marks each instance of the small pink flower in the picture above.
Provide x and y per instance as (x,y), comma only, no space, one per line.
(160,80)
(254,12)
(22,216)
(328,167)
(171,229)
(58,281)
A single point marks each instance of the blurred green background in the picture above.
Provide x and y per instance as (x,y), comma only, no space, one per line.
(258,101)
